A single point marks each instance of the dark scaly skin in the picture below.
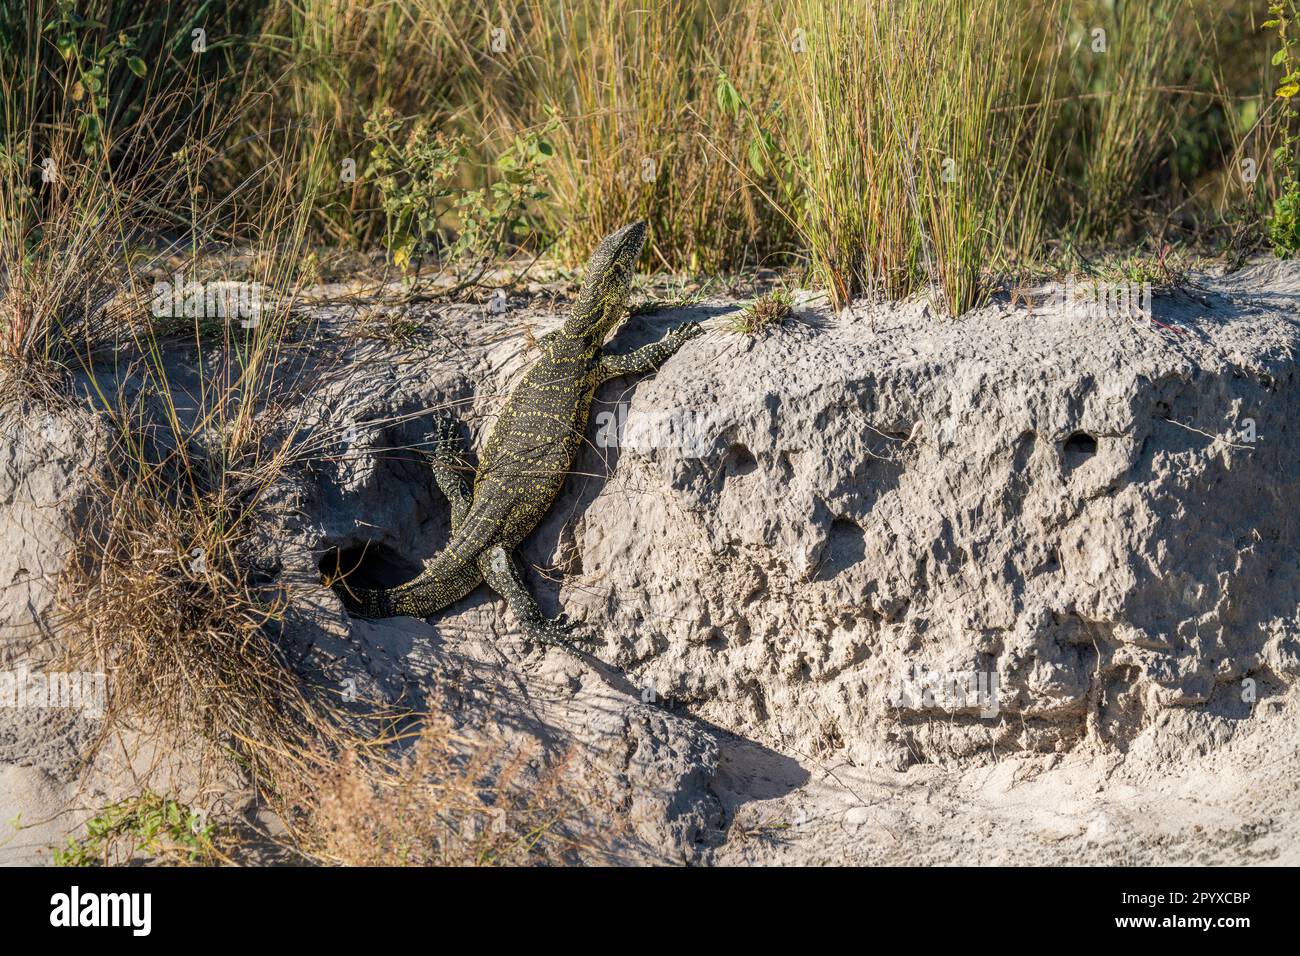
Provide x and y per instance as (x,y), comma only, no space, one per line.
(529,454)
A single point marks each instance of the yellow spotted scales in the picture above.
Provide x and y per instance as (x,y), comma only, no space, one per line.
(529,454)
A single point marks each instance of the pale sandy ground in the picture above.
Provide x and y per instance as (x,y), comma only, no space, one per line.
(1236,804)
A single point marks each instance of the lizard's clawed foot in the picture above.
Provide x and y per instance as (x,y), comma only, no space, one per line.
(560,631)
(688,331)
(445,445)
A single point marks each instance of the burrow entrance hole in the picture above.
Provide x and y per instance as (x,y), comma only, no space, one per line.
(738,461)
(367,564)
(1079,447)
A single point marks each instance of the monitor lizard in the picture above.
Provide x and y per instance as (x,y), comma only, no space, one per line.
(530,451)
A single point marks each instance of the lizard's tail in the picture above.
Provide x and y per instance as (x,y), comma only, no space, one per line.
(447,577)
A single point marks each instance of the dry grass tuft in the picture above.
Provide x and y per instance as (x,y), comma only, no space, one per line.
(159,597)
(449,802)
(767,311)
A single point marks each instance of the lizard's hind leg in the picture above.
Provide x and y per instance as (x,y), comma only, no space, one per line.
(501,576)
(446,459)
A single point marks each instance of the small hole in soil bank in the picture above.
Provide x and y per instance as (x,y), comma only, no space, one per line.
(1081,444)
(367,565)
(738,460)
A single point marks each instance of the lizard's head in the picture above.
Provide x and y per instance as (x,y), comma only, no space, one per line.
(606,283)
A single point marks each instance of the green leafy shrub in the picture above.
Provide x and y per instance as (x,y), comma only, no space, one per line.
(429,214)
(1284,224)
(151,825)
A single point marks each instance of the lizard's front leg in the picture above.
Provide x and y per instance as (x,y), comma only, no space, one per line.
(648,357)
(446,458)
(501,576)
